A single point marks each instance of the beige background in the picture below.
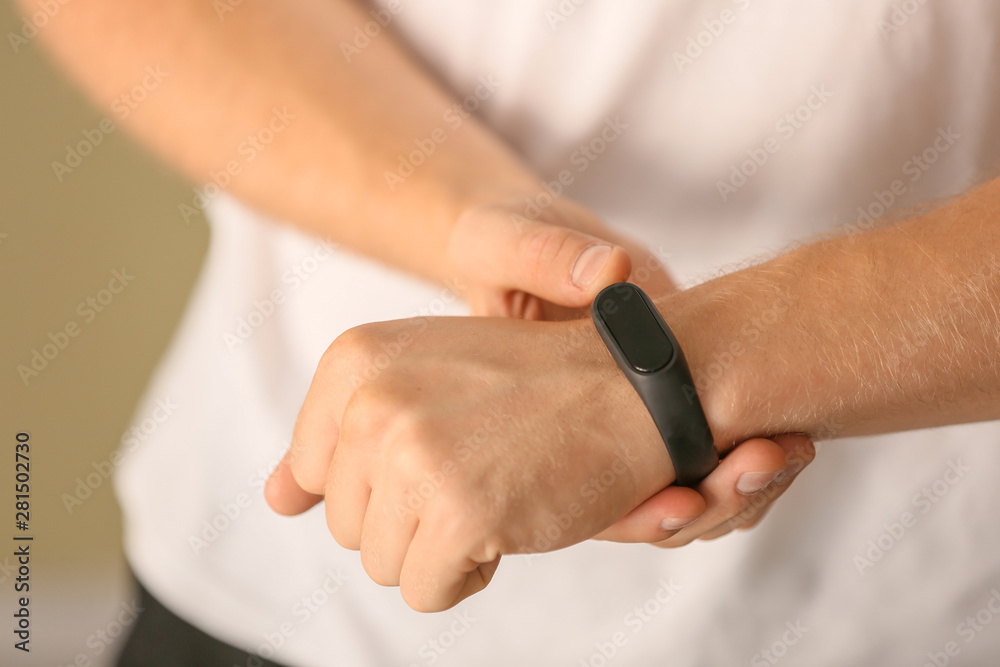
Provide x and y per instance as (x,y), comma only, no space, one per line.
(59,242)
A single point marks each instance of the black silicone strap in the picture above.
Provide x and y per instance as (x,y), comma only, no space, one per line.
(648,354)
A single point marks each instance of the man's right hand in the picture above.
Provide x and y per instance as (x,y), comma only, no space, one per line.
(545,268)
(551,268)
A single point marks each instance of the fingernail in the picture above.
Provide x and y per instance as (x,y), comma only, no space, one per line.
(589,264)
(788,473)
(675,523)
(750,483)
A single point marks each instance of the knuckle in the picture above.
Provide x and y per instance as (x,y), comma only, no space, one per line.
(408,457)
(352,351)
(459,517)
(366,403)
(357,338)
(541,245)
(370,409)
(412,456)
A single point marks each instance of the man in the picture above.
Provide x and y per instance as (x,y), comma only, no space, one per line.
(714,131)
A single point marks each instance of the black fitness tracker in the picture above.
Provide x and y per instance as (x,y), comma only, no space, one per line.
(648,354)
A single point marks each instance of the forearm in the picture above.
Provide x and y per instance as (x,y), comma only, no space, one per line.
(326,170)
(893,329)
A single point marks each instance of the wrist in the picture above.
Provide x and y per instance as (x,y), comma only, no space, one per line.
(688,317)
(629,427)
(736,333)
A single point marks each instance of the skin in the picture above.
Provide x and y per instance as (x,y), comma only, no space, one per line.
(458,219)
(460,451)
(876,332)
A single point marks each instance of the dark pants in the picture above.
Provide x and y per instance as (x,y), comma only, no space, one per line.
(160,638)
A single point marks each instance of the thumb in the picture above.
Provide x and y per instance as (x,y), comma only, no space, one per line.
(558,264)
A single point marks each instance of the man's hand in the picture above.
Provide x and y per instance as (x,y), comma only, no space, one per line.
(549,267)
(485,437)
(737,494)
(530,269)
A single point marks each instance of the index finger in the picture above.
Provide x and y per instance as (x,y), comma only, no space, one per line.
(299,480)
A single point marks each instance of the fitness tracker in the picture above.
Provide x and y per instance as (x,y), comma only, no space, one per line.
(648,354)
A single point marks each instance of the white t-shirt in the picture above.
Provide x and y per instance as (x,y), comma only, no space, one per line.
(716,131)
